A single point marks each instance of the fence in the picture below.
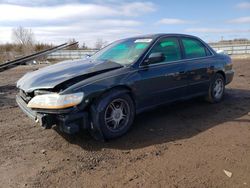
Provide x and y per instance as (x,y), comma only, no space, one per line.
(70,54)
(236,49)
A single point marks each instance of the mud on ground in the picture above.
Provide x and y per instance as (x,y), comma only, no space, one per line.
(188,144)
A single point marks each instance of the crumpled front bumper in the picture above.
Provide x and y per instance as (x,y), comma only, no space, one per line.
(68,122)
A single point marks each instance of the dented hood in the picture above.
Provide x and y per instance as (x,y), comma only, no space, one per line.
(50,76)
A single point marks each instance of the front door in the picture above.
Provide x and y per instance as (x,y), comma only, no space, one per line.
(164,81)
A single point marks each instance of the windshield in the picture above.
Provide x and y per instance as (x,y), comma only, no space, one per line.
(124,52)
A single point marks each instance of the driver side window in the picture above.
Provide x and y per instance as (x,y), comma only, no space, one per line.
(170,49)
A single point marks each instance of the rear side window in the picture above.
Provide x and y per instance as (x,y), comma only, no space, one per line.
(194,48)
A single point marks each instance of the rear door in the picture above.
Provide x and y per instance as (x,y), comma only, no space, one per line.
(163,81)
(198,59)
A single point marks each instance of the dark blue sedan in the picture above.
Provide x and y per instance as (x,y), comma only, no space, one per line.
(103,93)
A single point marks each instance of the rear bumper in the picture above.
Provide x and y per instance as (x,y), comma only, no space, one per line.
(229,76)
(68,122)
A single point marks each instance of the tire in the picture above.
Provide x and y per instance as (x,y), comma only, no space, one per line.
(216,89)
(111,108)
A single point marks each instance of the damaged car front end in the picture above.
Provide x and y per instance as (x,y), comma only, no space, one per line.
(47,95)
(50,109)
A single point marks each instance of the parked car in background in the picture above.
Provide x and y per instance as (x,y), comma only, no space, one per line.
(104,92)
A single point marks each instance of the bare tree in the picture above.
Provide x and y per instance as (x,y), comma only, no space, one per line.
(100,43)
(24,38)
(84,46)
(73,47)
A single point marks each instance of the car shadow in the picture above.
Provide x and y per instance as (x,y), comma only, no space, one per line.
(173,122)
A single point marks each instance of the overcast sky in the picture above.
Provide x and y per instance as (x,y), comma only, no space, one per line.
(57,21)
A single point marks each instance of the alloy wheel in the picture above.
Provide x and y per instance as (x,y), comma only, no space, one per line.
(218,88)
(117,115)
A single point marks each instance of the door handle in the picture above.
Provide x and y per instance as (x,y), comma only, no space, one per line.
(182,72)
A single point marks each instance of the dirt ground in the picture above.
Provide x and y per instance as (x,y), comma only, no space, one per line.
(188,144)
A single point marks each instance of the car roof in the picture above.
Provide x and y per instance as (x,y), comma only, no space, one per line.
(158,35)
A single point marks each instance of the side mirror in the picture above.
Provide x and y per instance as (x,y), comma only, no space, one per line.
(154,58)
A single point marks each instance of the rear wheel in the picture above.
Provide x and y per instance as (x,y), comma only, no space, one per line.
(216,89)
(113,114)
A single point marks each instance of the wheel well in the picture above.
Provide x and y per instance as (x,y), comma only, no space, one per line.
(126,89)
(122,88)
(223,74)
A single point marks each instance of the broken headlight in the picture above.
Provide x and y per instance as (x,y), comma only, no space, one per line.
(56,101)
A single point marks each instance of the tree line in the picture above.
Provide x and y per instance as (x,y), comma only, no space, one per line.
(24,43)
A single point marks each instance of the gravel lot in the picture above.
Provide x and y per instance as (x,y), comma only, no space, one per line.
(187,144)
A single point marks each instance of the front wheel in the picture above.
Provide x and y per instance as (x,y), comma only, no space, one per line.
(216,89)
(113,114)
